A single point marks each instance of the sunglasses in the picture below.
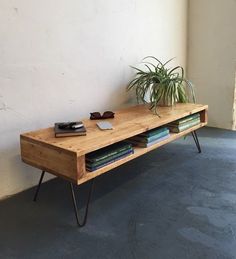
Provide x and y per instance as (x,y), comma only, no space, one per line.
(98,116)
(70,125)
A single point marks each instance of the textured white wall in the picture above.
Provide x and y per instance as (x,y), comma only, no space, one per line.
(212,57)
(61,59)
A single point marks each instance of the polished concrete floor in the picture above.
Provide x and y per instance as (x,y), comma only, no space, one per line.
(170,203)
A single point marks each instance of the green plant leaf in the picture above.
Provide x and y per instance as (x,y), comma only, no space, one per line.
(152,57)
(141,71)
(165,84)
(168,61)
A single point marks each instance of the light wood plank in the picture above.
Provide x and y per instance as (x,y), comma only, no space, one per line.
(127,122)
(59,163)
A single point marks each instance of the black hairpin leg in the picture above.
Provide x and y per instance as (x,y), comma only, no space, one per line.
(87,204)
(194,134)
(38,187)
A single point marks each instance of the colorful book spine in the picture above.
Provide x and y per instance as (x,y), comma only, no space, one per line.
(93,168)
(107,159)
(183,124)
(141,144)
(106,153)
(145,139)
(186,119)
(177,129)
(153,132)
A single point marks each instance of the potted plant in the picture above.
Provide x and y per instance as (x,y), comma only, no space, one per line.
(165,86)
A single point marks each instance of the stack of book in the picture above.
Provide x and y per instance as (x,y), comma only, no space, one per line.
(68,129)
(184,123)
(150,137)
(107,155)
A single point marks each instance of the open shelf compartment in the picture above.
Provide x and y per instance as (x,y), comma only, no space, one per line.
(138,151)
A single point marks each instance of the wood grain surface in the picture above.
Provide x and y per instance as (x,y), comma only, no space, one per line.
(53,154)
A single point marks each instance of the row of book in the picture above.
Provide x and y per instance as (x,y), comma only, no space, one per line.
(107,155)
(150,137)
(184,123)
(157,135)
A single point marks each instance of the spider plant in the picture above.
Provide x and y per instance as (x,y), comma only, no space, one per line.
(166,86)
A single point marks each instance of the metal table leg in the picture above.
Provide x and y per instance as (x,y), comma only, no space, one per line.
(194,134)
(38,187)
(87,204)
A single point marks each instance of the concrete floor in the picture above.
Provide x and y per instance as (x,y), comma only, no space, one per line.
(170,203)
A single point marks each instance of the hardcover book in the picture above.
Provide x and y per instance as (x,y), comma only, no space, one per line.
(61,130)
(183,124)
(186,119)
(91,168)
(145,139)
(107,159)
(153,132)
(141,144)
(180,128)
(108,151)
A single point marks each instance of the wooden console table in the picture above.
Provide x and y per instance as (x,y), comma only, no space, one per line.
(65,157)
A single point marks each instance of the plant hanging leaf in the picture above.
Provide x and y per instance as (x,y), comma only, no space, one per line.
(165,85)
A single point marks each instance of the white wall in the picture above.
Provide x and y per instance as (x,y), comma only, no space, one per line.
(212,57)
(60,60)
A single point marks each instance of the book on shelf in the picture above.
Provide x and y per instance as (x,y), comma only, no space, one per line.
(185,126)
(145,139)
(92,167)
(109,158)
(108,151)
(68,129)
(153,132)
(143,144)
(185,119)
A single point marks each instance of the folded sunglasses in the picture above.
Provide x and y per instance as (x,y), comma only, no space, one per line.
(98,116)
(70,125)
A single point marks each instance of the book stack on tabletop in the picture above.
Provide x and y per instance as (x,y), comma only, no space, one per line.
(184,123)
(107,155)
(150,137)
(68,129)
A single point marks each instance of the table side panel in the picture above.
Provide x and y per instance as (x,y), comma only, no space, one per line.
(57,162)
(81,171)
(204,116)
